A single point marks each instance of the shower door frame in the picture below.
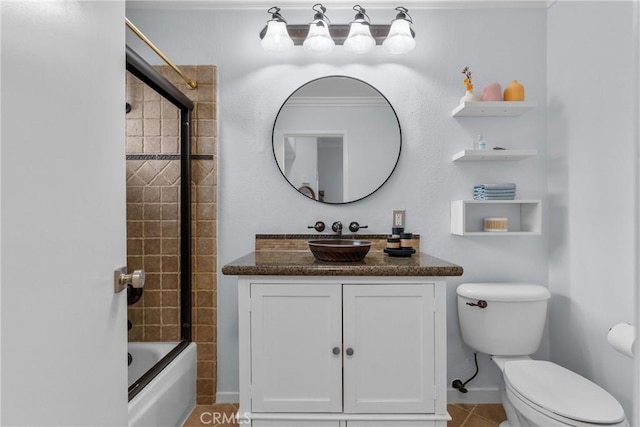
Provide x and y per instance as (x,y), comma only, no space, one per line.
(152,78)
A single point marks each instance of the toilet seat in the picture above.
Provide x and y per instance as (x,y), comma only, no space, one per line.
(561,394)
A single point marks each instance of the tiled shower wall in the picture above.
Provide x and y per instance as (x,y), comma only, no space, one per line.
(153,179)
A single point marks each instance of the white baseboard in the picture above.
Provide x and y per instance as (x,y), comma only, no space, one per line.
(227,397)
(474,396)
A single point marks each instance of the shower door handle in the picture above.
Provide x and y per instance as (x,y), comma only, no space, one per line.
(121,279)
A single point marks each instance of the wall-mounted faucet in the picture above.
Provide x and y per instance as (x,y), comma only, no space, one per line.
(354,226)
(337,228)
(319,226)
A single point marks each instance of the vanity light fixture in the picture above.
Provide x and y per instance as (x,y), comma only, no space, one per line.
(360,36)
(360,39)
(276,37)
(319,40)
(401,36)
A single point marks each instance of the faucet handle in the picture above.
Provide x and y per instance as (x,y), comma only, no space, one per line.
(354,227)
(319,226)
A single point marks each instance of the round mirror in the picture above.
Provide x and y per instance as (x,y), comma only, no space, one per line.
(336,139)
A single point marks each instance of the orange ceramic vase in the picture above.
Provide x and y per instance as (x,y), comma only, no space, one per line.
(514,92)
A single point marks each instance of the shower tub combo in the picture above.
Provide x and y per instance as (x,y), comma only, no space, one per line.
(162,375)
(169,395)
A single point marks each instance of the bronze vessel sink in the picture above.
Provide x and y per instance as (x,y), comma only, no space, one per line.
(339,250)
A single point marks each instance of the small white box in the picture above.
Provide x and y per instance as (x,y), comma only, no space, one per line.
(496,224)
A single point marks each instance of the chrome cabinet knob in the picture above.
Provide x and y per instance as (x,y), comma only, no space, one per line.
(350,352)
(336,350)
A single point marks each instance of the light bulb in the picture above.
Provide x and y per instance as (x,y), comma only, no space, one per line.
(400,40)
(318,40)
(359,39)
(277,38)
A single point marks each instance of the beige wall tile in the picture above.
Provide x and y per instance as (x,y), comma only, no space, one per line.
(151,110)
(153,214)
(206,128)
(150,94)
(134,127)
(152,246)
(169,111)
(134,211)
(134,144)
(151,195)
(206,73)
(151,144)
(151,127)
(170,281)
(169,145)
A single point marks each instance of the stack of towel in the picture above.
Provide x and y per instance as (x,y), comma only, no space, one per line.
(503,191)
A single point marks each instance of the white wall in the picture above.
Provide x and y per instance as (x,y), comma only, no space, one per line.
(593,191)
(423,87)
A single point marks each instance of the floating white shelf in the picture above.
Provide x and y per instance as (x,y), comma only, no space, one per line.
(492,108)
(524,216)
(493,155)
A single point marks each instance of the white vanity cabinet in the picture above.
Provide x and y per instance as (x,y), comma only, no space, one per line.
(342,351)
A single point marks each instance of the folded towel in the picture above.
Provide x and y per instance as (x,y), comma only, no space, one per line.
(500,186)
(496,192)
(483,197)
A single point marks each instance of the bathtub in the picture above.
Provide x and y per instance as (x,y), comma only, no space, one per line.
(169,397)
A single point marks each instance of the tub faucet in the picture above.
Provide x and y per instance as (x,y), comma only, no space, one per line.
(337,228)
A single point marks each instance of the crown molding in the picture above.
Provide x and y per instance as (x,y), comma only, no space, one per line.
(337,4)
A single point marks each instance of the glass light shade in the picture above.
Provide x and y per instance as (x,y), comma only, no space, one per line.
(277,38)
(400,40)
(359,39)
(318,40)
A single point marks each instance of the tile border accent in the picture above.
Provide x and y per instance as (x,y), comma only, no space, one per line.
(167,157)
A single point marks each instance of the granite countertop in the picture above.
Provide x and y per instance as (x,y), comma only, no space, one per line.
(302,263)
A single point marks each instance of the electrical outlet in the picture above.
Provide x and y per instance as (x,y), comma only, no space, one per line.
(398,218)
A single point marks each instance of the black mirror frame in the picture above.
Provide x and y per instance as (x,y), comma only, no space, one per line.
(273,131)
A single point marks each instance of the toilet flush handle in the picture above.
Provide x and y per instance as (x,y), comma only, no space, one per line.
(481,303)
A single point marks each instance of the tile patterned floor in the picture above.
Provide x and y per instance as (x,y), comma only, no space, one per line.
(218,415)
(463,414)
(480,415)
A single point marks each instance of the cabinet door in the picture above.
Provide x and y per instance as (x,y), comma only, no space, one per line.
(295,330)
(389,329)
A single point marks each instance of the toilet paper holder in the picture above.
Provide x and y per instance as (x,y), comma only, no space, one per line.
(622,337)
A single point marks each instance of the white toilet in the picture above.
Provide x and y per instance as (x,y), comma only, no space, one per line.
(506,321)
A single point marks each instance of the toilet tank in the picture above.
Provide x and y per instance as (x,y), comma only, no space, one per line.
(511,322)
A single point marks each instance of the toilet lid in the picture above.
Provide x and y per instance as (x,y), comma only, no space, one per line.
(562,392)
